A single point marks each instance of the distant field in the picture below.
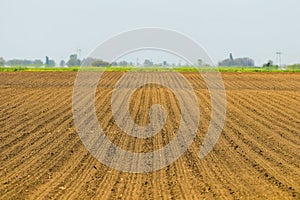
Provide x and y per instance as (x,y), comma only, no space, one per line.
(144,69)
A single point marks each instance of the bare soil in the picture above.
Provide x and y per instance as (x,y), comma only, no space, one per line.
(256,157)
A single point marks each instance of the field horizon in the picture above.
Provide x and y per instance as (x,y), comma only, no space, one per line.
(147,69)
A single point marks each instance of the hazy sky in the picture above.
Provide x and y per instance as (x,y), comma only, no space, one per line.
(255,28)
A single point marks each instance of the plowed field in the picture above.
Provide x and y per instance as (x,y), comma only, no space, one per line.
(256,157)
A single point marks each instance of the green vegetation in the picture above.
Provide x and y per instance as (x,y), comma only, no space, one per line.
(258,69)
(270,66)
(231,62)
(2,61)
(73,61)
(28,69)
(292,68)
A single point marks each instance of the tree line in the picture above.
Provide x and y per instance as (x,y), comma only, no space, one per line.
(25,62)
(74,61)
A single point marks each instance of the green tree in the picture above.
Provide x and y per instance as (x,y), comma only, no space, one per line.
(293,67)
(94,62)
(270,65)
(123,63)
(247,62)
(99,63)
(51,63)
(200,62)
(37,63)
(62,63)
(148,63)
(73,61)
(2,61)
(47,61)
(18,62)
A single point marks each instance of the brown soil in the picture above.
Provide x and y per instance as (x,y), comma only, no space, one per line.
(256,157)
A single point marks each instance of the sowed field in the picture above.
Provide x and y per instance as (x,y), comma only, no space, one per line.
(256,157)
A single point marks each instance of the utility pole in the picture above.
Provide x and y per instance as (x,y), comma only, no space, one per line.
(278,58)
(79,53)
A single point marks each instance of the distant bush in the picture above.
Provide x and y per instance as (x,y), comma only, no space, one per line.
(19,62)
(99,63)
(94,62)
(293,67)
(244,62)
(270,66)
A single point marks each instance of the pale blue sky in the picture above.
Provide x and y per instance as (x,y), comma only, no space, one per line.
(255,28)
